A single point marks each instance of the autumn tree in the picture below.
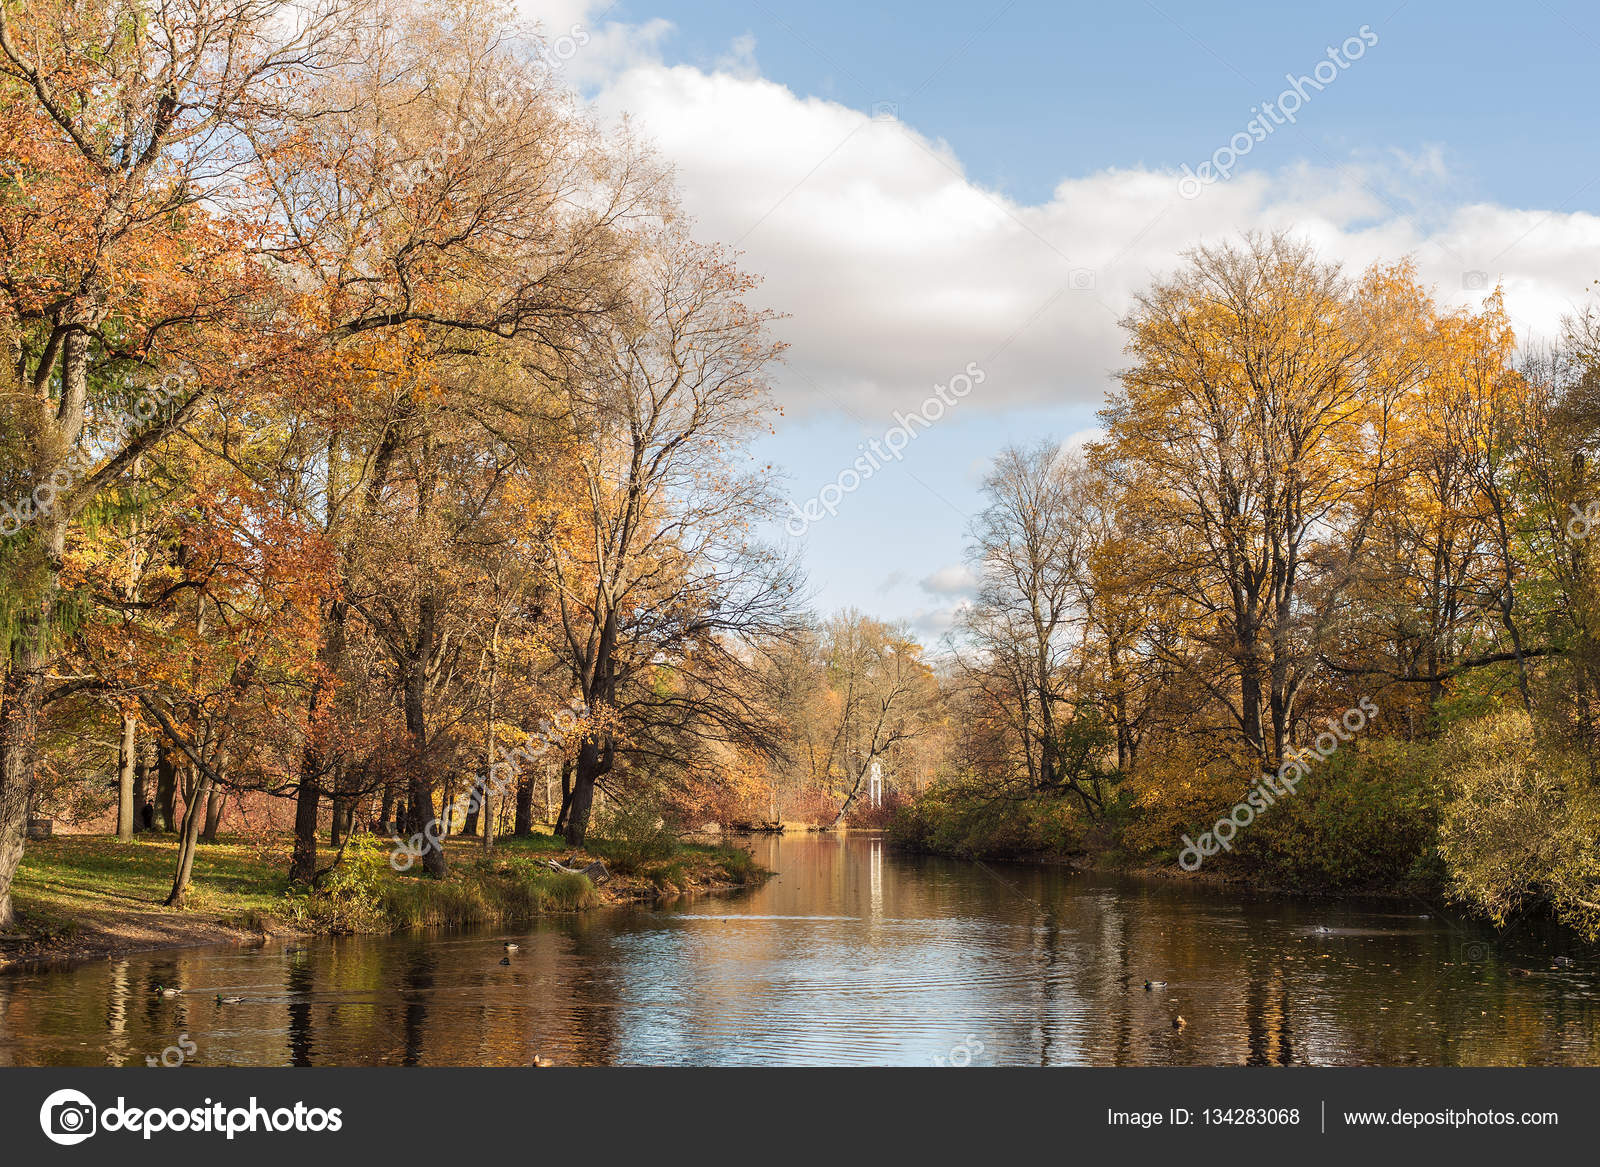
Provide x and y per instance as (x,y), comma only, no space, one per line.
(1254,426)
(656,568)
(131,247)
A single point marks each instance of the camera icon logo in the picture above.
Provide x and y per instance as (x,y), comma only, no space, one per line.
(1081,279)
(1474,281)
(885,111)
(67,1117)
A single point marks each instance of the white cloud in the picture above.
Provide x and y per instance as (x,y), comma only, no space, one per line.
(930,624)
(896,270)
(955,580)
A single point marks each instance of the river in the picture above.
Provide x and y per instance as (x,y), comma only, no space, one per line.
(854,955)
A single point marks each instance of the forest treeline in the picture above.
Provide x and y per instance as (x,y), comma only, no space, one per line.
(1325,591)
(378,432)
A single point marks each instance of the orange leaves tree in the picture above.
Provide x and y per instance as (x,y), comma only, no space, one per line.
(132,241)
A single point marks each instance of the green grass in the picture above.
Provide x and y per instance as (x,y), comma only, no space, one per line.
(504,893)
(72,880)
(67,875)
(535,844)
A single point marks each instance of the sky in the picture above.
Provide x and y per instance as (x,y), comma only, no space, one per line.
(969,196)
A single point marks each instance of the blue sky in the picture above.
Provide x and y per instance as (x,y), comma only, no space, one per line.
(1030,92)
(925,185)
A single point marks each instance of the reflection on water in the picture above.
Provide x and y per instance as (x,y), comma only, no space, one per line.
(854,955)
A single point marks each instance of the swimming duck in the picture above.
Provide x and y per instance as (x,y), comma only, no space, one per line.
(1322,928)
(541,1063)
(512,946)
(1520,972)
(1178,1022)
(505,960)
(1148,985)
(221,1000)
(163,991)
(1563,962)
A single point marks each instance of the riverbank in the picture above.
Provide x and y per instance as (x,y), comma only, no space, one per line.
(82,897)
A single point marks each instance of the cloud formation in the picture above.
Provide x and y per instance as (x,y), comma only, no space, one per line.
(894,267)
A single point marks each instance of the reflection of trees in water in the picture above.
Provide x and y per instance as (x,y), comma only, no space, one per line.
(416,981)
(1268,1039)
(589,993)
(300,983)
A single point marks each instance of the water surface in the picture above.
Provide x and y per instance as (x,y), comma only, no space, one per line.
(854,955)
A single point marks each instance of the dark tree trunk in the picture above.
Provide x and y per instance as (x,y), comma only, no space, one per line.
(566,797)
(419,794)
(303,860)
(216,803)
(386,815)
(19,721)
(343,818)
(594,762)
(167,787)
(522,824)
(141,798)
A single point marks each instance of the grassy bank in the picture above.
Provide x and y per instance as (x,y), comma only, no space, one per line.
(80,896)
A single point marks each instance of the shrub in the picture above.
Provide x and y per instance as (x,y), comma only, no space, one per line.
(973,818)
(632,835)
(1522,823)
(1366,817)
(1175,789)
(350,897)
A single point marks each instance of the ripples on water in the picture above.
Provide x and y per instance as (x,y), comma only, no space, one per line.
(855,955)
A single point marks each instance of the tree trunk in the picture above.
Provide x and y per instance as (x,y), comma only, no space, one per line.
(22,694)
(420,796)
(594,763)
(141,798)
(186,846)
(386,807)
(488,792)
(215,805)
(343,818)
(850,798)
(166,787)
(566,797)
(522,824)
(303,860)
(125,767)
(19,723)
